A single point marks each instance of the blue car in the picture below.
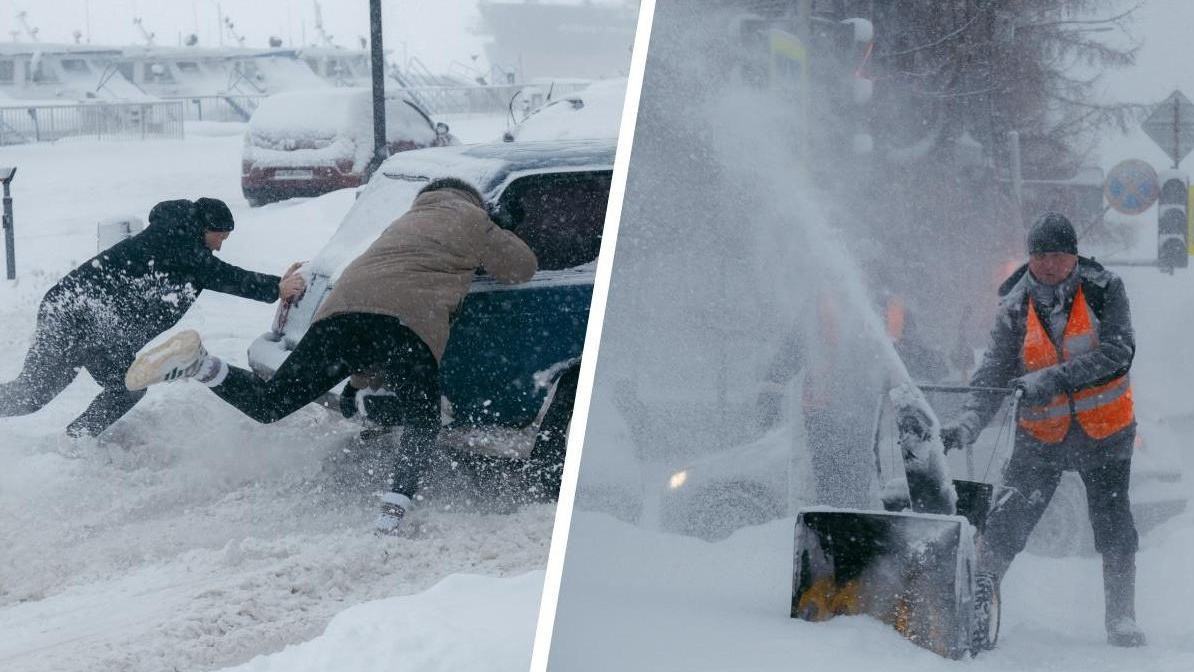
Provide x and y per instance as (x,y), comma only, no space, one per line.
(508,375)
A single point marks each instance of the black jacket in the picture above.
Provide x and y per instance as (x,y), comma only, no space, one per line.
(128,294)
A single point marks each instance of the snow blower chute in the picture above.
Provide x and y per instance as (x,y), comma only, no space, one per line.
(912,568)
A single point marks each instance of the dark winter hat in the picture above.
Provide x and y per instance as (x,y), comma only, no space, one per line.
(213,214)
(1052,232)
(456,184)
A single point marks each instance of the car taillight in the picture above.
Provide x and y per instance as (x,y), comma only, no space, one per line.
(246,167)
(344,165)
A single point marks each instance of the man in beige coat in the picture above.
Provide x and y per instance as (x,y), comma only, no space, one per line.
(389,314)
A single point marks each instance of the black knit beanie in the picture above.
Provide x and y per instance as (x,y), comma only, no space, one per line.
(213,215)
(1052,232)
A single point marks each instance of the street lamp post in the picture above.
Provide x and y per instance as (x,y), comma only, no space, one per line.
(377,57)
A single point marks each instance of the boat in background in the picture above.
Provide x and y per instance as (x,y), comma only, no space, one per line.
(588,39)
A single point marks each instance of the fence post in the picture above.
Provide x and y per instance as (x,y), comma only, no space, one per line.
(36,126)
(10,255)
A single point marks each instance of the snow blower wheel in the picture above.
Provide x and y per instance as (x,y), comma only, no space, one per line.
(987,612)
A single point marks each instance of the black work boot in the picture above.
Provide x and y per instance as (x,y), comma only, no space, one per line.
(1119,591)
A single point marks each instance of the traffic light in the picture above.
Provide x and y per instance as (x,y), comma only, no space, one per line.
(839,55)
(859,45)
(1172,220)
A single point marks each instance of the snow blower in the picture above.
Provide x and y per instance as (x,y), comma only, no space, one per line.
(912,566)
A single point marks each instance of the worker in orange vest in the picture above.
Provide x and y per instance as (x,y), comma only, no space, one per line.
(1062,338)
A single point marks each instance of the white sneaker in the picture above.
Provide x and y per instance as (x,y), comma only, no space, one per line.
(180,357)
(393,509)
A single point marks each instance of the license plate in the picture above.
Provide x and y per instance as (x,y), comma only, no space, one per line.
(292,174)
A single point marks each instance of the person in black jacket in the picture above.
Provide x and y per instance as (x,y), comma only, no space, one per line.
(100,314)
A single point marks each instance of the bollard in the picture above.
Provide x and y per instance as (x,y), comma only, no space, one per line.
(10,256)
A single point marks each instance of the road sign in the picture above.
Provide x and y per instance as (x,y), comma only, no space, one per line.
(1131,187)
(1171,126)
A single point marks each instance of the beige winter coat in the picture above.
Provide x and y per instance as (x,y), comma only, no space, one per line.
(420,268)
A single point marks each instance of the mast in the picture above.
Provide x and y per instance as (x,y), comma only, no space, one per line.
(145,34)
(31,31)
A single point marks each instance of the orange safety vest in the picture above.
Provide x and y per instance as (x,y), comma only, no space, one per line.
(1101,410)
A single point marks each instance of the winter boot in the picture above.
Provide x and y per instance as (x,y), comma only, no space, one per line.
(182,356)
(1119,591)
(393,509)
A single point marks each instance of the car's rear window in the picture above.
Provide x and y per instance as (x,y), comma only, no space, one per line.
(560,215)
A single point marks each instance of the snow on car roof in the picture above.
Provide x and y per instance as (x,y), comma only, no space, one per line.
(593,112)
(488,166)
(390,192)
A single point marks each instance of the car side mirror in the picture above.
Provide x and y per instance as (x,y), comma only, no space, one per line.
(441,128)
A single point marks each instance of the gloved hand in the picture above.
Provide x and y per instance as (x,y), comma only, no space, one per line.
(956,437)
(1031,388)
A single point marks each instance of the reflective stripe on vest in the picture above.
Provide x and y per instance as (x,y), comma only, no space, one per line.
(1101,410)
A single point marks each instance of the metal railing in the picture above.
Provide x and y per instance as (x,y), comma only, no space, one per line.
(100,121)
(220,108)
(486,99)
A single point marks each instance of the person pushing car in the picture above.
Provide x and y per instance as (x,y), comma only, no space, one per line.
(100,314)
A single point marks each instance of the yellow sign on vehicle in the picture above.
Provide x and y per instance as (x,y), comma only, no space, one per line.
(1190,224)
(789,75)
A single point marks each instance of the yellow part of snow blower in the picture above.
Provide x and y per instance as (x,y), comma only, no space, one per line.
(914,568)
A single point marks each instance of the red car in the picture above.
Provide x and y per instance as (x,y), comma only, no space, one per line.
(307,143)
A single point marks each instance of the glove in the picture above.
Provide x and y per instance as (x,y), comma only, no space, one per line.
(1030,389)
(955,437)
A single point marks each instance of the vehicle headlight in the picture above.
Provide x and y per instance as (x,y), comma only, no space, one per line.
(677,480)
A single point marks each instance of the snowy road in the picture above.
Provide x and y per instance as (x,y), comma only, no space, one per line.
(192,538)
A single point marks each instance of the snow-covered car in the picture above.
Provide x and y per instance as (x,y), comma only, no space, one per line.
(307,143)
(508,375)
(592,112)
(751,484)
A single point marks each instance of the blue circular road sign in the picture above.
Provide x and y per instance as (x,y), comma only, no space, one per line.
(1131,187)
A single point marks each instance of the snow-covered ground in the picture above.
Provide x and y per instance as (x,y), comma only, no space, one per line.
(191,538)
